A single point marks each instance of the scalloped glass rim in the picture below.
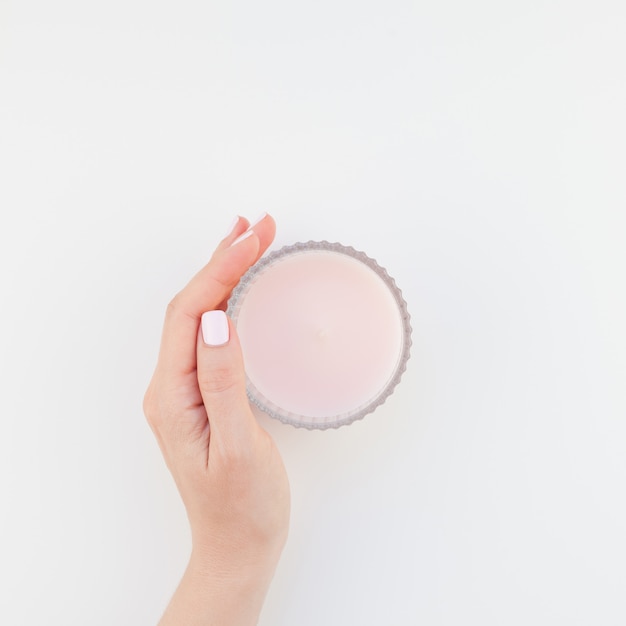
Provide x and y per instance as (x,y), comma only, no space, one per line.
(333,421)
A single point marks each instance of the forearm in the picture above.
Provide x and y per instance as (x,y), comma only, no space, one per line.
(206,598)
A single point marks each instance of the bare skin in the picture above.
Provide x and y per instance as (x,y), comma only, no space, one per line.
(227,469)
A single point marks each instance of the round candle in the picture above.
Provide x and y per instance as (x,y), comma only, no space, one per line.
(324,333)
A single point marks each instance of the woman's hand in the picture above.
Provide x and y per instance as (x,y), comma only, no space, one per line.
(228,471)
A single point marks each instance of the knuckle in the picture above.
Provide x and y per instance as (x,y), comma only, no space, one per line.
(177,309)
(149,405)
(218,380)
(173,306)
(153,408)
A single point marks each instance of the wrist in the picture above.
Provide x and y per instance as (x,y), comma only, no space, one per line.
(235,558)
(233,569)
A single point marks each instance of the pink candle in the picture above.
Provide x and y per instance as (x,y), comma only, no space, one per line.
(324,331)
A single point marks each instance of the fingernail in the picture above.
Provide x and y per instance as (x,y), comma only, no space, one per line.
(258,219)
(215,328)
(247,234)
(232,226)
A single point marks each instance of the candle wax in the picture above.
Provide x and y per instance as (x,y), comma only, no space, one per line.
(321,333)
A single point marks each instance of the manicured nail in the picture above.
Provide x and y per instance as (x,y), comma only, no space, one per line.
(232,226)
(215,328)
(242,237)
(258,219)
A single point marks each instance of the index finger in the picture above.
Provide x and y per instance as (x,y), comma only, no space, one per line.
(208,290)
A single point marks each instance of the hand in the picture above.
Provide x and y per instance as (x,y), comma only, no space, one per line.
(226,467)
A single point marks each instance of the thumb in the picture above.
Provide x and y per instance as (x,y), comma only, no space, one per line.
(222,381)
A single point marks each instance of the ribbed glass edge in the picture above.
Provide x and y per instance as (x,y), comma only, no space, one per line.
(334,421)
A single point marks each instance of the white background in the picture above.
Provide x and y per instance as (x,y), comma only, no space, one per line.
(475,149)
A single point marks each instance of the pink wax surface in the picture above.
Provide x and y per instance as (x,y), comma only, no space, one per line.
(321,333)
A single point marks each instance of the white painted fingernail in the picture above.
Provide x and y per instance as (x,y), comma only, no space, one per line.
(247,234)
(215,328)
(258,219)
(232,226)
